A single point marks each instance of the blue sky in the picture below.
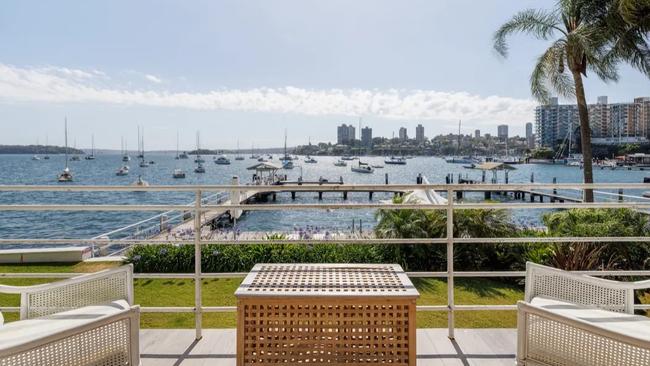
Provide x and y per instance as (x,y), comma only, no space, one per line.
(247,69)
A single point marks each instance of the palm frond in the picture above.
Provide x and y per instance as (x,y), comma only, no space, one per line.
(590,44)
(539,23)
(549,71)
(631,46)
(635,12)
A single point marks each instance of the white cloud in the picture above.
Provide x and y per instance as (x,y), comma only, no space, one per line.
(153,78)
(62,85)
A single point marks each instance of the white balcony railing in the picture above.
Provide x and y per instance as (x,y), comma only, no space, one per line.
(621,201)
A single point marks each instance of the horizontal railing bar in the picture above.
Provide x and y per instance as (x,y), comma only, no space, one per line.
(164,309)
(41,207)
(555,239)
(319,206)
(229,309)
(421,206)
(597,273)
(327,187)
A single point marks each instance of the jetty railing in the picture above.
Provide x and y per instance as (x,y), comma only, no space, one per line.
(450,274)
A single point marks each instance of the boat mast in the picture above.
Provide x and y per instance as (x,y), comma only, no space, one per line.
(142,143)
(92,142)
(285,144)
(66,142)
(177,144)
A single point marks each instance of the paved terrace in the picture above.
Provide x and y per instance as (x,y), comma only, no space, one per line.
(174,347)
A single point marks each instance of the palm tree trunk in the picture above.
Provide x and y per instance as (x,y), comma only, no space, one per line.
(585,135)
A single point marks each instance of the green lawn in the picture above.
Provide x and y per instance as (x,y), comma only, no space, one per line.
(219,292)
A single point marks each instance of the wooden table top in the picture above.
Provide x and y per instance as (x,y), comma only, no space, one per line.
(327,280)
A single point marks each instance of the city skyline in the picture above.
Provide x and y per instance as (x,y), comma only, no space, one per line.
(245,71)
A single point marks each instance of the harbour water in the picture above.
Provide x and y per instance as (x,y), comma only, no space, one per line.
(21,170)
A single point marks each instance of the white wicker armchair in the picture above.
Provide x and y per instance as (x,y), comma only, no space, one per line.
(574,319)
(85,320)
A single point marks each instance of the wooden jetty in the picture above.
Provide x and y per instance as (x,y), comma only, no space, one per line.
(318,187)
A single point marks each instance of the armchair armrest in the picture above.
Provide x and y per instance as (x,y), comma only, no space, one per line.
(90,289)
(579,288)
(640,285)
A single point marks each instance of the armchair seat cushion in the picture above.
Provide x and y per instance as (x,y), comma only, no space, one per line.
(24,331)
(632,325)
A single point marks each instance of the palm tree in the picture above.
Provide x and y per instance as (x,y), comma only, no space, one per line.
(594,35)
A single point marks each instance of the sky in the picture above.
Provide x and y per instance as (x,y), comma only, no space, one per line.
(246,70)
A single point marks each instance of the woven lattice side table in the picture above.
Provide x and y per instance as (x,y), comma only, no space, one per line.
(326,314)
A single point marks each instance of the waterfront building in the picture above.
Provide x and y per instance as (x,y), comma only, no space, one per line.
(477,133)
(611,123)
(530,136)
(502,132)
(419,134)
(366,136)
(403,136)
(345,134)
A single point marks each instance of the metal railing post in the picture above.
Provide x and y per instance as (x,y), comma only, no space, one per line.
(450,263)
(198,315)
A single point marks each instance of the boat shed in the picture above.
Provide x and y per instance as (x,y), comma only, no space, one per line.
(265,173)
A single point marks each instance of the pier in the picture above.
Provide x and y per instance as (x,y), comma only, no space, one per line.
(333,185)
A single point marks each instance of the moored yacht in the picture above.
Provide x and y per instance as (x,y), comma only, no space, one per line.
(122,171)
(395,161)
(178,173)
(92,153)
(362,168)
(340,163)
(310,160)
(140,182)
(66,175)
(222,160)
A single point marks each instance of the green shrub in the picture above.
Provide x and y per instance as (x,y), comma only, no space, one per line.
(169,258)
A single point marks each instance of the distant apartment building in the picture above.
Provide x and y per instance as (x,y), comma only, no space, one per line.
(530,136)
(611,123)
(502,132)
(419,134)
(366,136)
(477,133)
(403,136)
(345,134)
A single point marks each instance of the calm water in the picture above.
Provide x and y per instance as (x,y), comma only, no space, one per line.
(20,169)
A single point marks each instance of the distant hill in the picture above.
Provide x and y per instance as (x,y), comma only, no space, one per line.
(37,149)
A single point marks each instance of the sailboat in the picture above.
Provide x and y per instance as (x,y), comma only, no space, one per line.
(125,154)
(362,168)
(46,157)
(253,155)
(143,163)
(35,156)
(238,156)
(182,155)
(124,169)
(287,162)
(199,160)
(75,157)
(140,182)
(66,175)
(178,172)
(92,154)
